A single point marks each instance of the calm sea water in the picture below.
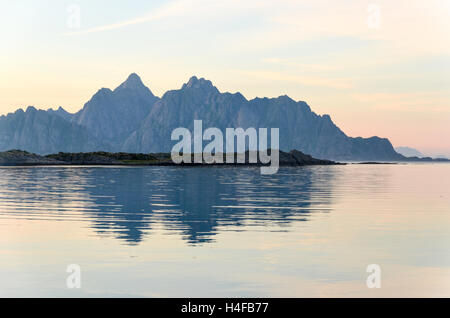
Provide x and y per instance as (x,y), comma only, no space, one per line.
(226,232)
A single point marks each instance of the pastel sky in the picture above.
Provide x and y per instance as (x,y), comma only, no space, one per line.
(377,67)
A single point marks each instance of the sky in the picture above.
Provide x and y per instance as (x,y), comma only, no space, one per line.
(378,68)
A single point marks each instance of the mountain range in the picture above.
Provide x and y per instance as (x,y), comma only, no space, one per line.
(409,152)
(132,119)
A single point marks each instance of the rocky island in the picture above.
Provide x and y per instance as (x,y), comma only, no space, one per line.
(19,157)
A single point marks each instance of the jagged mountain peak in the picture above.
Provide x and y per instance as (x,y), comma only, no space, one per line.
(133,82)
(101,94)
(60,112)
(285,98)
(59,109)
(31,109)
(113,115)
(199,83)
(103,91)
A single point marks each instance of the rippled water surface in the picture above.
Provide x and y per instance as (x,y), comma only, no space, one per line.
(227,232)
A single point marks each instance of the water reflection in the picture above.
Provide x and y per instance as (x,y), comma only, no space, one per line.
(196,202)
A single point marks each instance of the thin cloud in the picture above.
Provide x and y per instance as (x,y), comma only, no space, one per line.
(181,8)
(167,11)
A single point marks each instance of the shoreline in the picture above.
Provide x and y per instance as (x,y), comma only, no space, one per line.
(294,158)
(23,158)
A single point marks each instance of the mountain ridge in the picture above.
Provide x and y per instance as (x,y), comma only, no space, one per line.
(131,118)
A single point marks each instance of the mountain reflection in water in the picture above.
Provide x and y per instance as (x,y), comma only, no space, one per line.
(194,202)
